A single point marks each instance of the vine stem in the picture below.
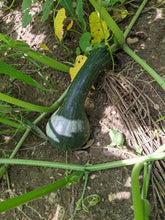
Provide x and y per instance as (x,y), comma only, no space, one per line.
(11,5)
(97,167)
(27,197)
(53,108)
(135,17)
(137,202)
(143,63)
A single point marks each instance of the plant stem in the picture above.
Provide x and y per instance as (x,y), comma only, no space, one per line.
(27,197)
(143,63)
(137,202)
(53,108)
(11,5)
(146,179)
(97,167)
(135,17)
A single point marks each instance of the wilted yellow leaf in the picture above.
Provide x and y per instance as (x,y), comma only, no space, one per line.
(43,46)
(80,60)
(119,12)
(58,23)
(98,28)
(124,14)
(68,22)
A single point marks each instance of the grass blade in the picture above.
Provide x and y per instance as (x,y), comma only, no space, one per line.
(23,104)
(79,10)
(23,47)
(47,61)
(12,124)
(9,70)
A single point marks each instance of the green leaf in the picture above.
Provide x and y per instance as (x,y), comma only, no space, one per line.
(9,70)
(5,39)
(4,108)
(117,138)
(26,4)
(85,41)
(107,3)
(122,1)
(162,118)
(78,51)
(68,5)
(46,7)
(21,46)
(26,18)
(139,150)
(79,9)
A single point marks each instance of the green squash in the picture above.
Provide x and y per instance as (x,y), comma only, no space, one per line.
(68,128)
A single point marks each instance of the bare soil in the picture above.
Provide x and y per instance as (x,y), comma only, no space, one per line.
(113,185)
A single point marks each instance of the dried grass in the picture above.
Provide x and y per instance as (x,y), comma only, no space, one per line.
(139,113)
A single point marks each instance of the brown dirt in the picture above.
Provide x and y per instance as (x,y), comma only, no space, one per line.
(113,185)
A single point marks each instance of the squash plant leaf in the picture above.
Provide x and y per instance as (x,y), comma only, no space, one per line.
(117,138)
(124,14)
(58,23)
(62,23)
(26,4)
(85,41)
(79,10)
(46,9)
(68,23)
(138,148)
(80,60)
(98,28)
(26,18)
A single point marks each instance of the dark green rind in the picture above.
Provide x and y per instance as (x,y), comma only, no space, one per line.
(68,128)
